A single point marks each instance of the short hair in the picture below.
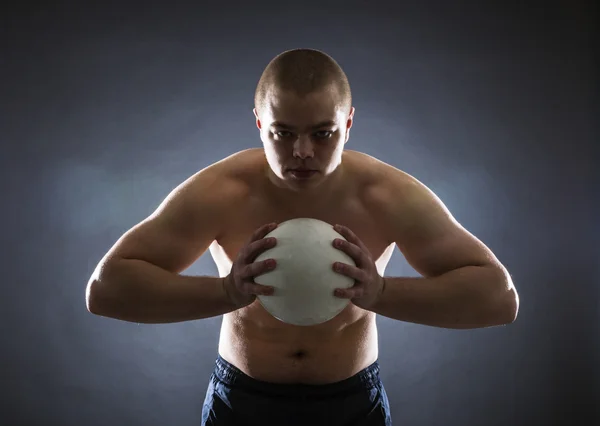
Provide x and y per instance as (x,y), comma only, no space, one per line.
(303,71)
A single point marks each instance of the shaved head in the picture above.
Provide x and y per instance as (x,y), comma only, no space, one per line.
(302,72)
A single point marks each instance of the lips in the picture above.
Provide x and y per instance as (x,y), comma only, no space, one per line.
(302,173)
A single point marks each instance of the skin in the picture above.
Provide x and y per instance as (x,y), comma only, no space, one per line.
(291,135)
(378,207)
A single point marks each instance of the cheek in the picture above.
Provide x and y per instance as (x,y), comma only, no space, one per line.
(337,144)
(265,135)
(274,155)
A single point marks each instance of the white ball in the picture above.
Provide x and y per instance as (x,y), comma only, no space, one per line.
(303,279)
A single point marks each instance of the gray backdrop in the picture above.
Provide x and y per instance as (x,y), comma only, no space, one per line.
(106,109)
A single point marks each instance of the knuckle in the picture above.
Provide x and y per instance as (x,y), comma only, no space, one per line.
(245,272)
(245,253)
(257,268)
(248,250)
(254,288)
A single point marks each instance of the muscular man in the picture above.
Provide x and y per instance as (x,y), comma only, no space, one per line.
(267,371)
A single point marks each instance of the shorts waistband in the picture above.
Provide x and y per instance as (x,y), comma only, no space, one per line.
(232,376)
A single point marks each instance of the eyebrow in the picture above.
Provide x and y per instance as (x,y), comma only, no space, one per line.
(327,123)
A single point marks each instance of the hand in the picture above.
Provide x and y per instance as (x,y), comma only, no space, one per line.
(239,284)
(368,284)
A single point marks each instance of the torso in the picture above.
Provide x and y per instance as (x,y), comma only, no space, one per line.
(262,346)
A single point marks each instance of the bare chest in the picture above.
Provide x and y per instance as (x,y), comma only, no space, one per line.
(351,212)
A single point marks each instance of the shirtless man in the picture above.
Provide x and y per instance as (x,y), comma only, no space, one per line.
(268,372)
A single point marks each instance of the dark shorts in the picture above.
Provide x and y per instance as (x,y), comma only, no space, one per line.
(235,399)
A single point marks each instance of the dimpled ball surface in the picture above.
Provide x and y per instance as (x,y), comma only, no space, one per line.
(303,279)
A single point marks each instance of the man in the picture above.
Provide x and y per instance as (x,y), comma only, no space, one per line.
(269,372)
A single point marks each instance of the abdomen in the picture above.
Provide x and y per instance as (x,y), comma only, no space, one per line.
(269,350)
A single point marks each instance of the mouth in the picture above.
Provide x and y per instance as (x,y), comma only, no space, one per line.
(302,173)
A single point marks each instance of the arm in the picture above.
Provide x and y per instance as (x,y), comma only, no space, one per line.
(139,279)
(463,285)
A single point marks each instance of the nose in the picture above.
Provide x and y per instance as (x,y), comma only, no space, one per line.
(303,148)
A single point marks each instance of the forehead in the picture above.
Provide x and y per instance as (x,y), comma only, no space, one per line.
(302,111)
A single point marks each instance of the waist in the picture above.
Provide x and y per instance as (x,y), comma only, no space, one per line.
(280,353)
(233,377)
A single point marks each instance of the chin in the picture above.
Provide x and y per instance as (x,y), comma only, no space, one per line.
(304,185)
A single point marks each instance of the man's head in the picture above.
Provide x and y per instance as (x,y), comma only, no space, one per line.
(303,109)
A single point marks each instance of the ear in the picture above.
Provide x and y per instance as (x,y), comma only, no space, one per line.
(257,119)
(349,123)
(350,120)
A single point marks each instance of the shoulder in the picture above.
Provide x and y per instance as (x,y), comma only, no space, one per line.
(234,173)
(379,181)
(208,194)
(393,194)
(224,183)
(218,184)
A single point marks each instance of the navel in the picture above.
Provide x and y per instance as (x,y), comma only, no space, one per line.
(300,354)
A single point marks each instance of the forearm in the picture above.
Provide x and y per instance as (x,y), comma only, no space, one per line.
(469,297)
(136,291)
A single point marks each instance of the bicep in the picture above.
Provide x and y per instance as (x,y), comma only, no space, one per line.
(161,243)
(176,234)
(452,248)
(431,239)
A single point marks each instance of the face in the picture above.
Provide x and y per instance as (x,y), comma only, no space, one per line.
(303,133)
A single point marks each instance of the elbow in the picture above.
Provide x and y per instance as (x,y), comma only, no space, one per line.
(100,290)
(93,298)
(504,300)
(509,308)
(507,303)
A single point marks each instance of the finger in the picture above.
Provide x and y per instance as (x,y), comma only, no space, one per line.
(343,230)
(360,257)
(257,289)
(249,272)
(263,231)
(253,250)
(350,271)
(351,237)
(349,293)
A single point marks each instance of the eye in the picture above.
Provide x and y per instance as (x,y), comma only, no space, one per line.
(283,134)
(324,134)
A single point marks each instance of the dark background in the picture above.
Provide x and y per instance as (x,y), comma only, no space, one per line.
(105,109)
